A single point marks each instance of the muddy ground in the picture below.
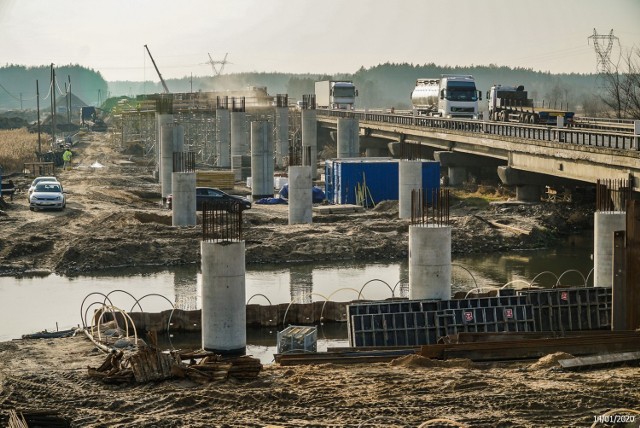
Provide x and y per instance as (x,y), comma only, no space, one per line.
(114,218)
(52,374)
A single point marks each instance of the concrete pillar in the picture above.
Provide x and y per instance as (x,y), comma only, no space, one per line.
(348,137)
(261,160)
(239,137)
(224,316)
(605,223)
(429,262)
(282,135)
(166,161)
(223,138)
(161,119)
(183,203)
(457,175)
(410,178)
(310,139)
(300,195)
(178,138)
(528,193)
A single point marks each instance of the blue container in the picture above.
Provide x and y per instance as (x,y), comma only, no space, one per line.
(346,178)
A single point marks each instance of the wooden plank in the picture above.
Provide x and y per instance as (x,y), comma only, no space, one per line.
(599,360)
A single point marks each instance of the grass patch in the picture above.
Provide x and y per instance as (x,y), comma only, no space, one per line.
(479,196)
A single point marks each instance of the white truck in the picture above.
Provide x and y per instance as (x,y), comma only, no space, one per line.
(450,95)
(334,94)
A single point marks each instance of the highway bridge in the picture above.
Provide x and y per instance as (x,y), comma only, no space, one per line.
(526,156)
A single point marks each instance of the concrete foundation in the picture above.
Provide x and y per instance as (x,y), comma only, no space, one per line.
(261,160)
(348,137)
(223,138)
(310,139)
(224,317)
(300,195)
(410,178)
(605,224)
(457,175)
(429,262)
(183,203)
(282,136)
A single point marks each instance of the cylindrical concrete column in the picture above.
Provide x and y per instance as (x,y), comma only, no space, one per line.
(178,138)
(410,178)
(605,224)
(348,137)
(183,203)
(166,161)
(457,175)
(261,160)
(239,136)
(300,195)
(223,138)
(224,316)
(161,119)
(282,135)
(429,262)
(310,139)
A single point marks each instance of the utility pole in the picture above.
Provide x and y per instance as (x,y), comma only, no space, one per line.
(53,100)
(603,45)
(38,108)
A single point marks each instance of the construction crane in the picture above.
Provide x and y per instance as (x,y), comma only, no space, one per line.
(164,85)
(222,64)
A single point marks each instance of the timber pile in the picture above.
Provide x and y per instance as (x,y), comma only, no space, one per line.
(224,180)
(150,364)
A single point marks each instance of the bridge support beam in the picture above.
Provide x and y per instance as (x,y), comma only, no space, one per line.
(528,185)
(458,164)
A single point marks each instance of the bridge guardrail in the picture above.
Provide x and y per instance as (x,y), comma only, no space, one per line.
(611,140)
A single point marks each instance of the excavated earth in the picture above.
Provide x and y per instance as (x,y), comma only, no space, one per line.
(114,218)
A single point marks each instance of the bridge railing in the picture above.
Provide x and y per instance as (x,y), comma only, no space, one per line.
(594,138)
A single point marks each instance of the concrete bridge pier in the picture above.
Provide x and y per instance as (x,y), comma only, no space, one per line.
(605,224)
(348,137)
(223,137)
(172,140)
(310,139)
(457,175)
(300,195)
(282,135)
(528,192)
(261,160)
(239,141)
(410,178)
(183,204)
(224,315)
(429,262)
(528,185)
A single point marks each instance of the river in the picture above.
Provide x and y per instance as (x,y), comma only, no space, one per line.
(36,303)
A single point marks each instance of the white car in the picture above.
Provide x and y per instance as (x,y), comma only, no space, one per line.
(47,194)
(38,180)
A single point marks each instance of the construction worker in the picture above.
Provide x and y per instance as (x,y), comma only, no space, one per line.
(66,157)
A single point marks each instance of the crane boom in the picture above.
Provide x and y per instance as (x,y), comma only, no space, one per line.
(164,85)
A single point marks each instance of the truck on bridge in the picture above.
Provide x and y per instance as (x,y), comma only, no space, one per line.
(333,94)
(510,104)
(450,95)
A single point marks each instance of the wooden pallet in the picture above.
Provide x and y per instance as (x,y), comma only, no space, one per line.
(224,180)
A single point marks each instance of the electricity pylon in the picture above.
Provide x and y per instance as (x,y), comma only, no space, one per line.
(603,45)
(221,63)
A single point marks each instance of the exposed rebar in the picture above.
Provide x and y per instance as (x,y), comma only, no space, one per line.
(238,104)
(430,211)
(282,100)
(309,102)
(612,194)
(184,162)
(222,102)
(222,221)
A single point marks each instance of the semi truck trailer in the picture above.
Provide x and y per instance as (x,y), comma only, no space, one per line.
(333,94)
(450,95)
(511,104)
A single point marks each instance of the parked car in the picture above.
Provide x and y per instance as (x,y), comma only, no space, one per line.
(47,194)
(209,194)
(38,180)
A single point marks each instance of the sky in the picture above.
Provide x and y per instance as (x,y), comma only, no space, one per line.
(301,36)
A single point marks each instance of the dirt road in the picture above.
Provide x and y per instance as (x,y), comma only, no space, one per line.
(114,218)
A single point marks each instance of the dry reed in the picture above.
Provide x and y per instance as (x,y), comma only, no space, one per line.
(17,146)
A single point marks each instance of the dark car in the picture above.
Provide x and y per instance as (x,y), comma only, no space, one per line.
(214,196)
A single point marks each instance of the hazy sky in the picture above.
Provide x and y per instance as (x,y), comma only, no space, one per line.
(301,36)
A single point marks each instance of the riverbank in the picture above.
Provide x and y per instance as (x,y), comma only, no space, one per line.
(114,219)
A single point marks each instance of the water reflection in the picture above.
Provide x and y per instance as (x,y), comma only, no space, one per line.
(36,303)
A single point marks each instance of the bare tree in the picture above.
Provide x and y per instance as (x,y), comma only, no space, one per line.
(622,86)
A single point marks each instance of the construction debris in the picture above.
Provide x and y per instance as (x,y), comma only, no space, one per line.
(596,361)
(36,418)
